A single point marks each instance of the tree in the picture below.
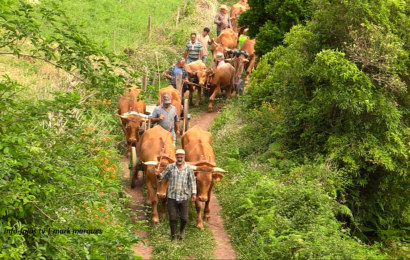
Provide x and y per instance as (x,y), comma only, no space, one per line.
(342,85)
(270,20)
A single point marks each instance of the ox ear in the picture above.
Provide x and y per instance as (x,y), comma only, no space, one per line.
(217,176)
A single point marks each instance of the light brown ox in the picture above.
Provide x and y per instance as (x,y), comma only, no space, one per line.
(151,145)
(218,79)
(175,96)
(240,62)
(199,154)
(236,10)
(225,42)
(131,123)
(193,69)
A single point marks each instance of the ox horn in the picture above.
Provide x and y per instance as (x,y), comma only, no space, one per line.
(217,169)
(228,59)
(150,163)
(193,167)
(227,49)
(246,60)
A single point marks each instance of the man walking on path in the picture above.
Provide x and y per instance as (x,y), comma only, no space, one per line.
(182,185)
(164,115)
(222,20)
(220,59)
(193,50)
(205,41)
(174,71)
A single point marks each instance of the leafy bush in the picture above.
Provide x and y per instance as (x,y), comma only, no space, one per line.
(280,212)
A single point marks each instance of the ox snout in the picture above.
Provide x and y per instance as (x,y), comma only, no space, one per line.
(132,141)
(203,199)
(161,195)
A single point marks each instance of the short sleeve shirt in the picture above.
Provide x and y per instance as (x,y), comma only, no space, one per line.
(164,123)
(193,49)
(204,41)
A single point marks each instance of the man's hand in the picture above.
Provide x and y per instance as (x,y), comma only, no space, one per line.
(178,133)
(157,173)
(193,198)
(161,117)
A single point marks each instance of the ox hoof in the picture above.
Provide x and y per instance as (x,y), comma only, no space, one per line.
(209,110)
(148,203)
(207,218)
(162,215)
(155,220)
(201,227)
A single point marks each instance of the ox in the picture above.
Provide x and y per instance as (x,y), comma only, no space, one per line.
(193,69)
(236,10)
(218,79)
(175,96)
(199,154)
(154,142)
(131,122)
(244,59)
(226,41)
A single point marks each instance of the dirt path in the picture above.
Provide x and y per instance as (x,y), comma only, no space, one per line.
(137,199)
(224,249)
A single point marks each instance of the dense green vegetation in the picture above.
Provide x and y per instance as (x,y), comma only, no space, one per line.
(270,20)
(321,148)
(60,146)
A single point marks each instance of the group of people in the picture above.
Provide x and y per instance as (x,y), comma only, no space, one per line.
(181,177)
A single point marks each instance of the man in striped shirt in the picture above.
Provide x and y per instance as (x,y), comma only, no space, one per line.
(193,50)
(182,185)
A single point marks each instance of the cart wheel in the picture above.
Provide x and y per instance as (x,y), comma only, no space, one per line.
(186,112)
(133,166)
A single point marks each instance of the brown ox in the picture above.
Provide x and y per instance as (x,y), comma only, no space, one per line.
(236,10)
(193,69)
(226,41)
(175,96)
(241,61)
(131,122)
(199,154)
(218,79)
(151,145)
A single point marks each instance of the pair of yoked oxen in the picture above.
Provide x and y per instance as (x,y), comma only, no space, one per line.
(155,149)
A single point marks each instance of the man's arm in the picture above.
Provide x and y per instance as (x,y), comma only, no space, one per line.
(192,183)
(176,124)
(186,53)
(164,175)
(201,54)
(217,19)
(156,115)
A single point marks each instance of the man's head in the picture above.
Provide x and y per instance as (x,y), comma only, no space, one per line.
(193,37)
(181,62)
(206,31)
(167,100)
(245,31)
(219,56)
(224,9)
(180,155)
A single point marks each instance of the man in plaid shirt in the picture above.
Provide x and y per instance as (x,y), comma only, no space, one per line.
(182,183)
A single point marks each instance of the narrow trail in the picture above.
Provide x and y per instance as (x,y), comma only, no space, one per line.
(138,206)
(223,249)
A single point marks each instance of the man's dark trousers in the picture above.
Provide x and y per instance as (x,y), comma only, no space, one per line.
(174,208)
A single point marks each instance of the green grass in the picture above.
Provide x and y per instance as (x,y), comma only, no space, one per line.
(198,244)
(128,18)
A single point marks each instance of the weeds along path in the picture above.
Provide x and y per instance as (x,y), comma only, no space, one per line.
(137,199)
(223,249)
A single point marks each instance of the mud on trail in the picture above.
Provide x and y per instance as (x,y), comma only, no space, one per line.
(223,249)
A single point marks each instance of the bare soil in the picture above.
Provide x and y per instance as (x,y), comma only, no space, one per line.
(137,205)
(224,249)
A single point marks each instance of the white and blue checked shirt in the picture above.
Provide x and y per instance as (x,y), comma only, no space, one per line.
(181,183)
